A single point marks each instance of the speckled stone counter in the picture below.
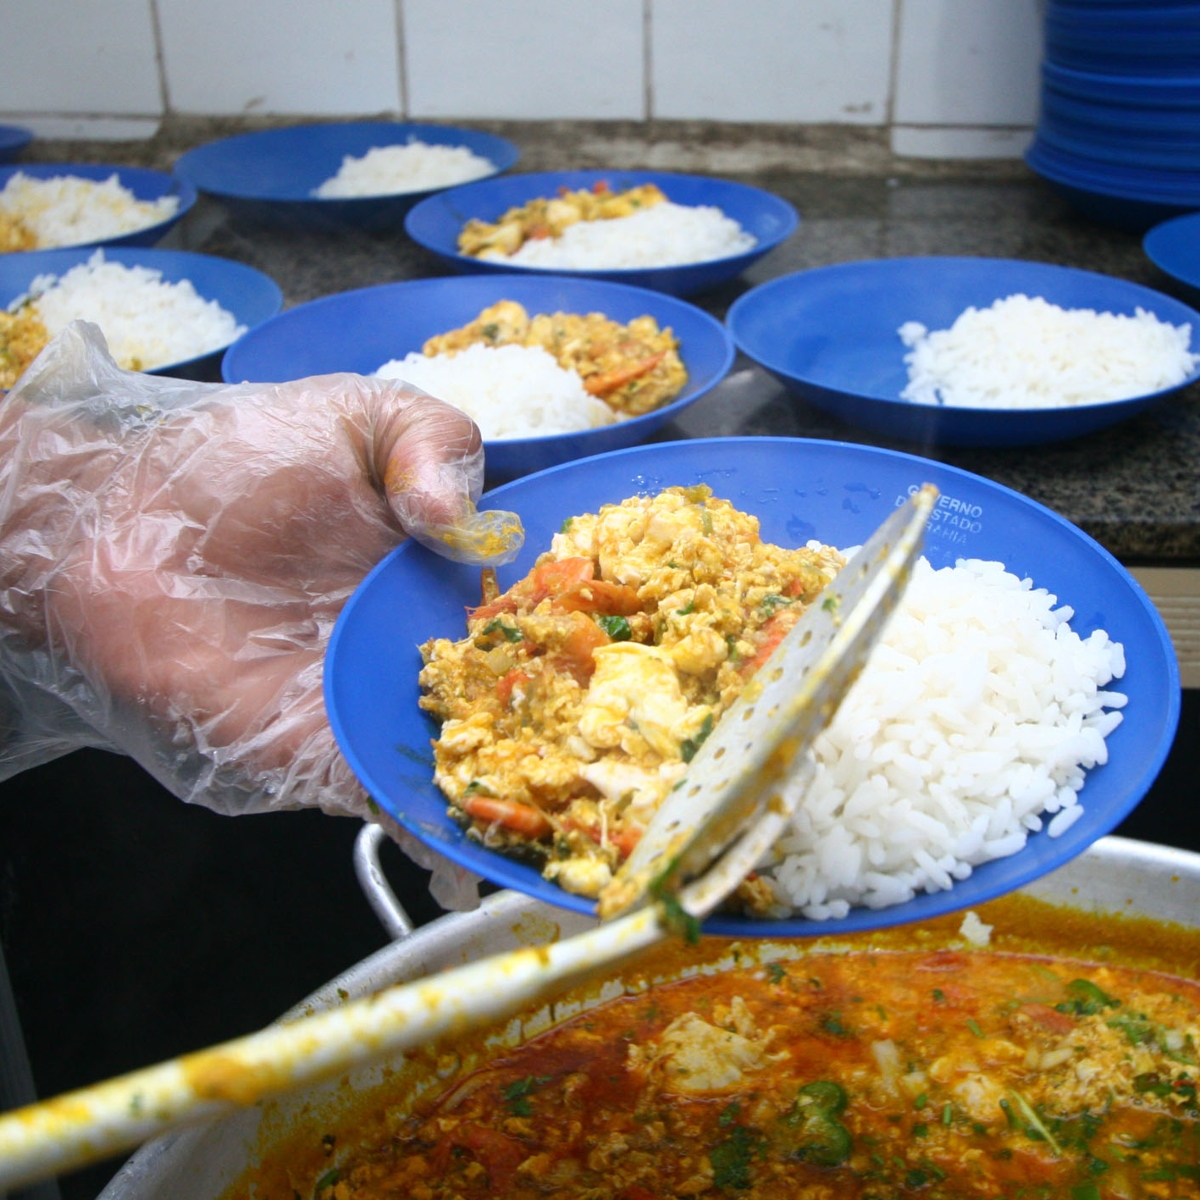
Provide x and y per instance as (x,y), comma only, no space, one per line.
(1135,487)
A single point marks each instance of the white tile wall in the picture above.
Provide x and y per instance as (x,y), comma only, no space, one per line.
(281,56)
(968,62)
(959,141)
(949,78)
(821,61)
(60,56)
(525,59)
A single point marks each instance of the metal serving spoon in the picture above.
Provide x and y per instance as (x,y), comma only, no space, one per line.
(708,835)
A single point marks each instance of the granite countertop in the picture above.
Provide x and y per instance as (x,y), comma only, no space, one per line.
(1134,487)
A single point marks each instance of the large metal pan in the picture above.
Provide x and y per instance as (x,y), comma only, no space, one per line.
(1116,875)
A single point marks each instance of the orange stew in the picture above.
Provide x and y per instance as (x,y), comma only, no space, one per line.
(866,1075)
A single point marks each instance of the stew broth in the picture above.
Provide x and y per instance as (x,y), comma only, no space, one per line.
(1061,1060)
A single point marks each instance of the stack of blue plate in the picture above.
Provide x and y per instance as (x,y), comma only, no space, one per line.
(1119,131)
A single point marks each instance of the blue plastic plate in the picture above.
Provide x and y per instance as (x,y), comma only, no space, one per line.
(271,175)
(1157,185)
(1123,197)
(249,295)
(143,183)
(1174,247)
(799,489)
(830,334)
(435,223)
(13,139)
(361,330)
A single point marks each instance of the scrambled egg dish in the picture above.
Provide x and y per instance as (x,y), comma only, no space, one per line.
(580,694)
(22,337)
(633,368)
(15,234)
(547,217)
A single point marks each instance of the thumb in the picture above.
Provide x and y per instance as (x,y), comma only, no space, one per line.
(430,457)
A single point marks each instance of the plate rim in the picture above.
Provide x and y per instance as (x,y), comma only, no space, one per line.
(1151,246)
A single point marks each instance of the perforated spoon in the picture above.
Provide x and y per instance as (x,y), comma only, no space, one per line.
(710,833)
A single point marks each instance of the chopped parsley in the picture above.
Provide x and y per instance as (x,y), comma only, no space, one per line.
(689,746)
(819,1137)
(832,1023)
(731,1159)
(511,634)
(769,605)
(1085,999)
(327,1180)
(516,1095)
(617,628)
(676,918)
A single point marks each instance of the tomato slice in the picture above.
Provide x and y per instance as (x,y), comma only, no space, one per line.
(575,655)
(771,634)
(509,681)
(558,576)
(512,814)
(600,596)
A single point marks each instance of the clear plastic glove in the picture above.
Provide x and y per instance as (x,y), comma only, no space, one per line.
(173,556)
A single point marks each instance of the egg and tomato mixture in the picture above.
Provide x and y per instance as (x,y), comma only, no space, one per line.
(22,338)
(578,696)
(548,216)
(875,1074)
(633,368)
(15,234)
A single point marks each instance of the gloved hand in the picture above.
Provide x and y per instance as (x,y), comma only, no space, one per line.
(173,556)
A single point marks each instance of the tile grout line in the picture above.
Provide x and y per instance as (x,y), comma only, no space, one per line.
(401,58)
(164,90)
(647,60)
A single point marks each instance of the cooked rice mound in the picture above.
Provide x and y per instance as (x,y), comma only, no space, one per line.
(65,210)
(972,726)
(415,166)
(508,391)
(1024,352)
(662,236)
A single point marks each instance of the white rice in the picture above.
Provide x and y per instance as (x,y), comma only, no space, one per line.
(68,211)
(508,391)
(147,322)
(971,727)
(1024,352)
(413,167)
(663,235)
